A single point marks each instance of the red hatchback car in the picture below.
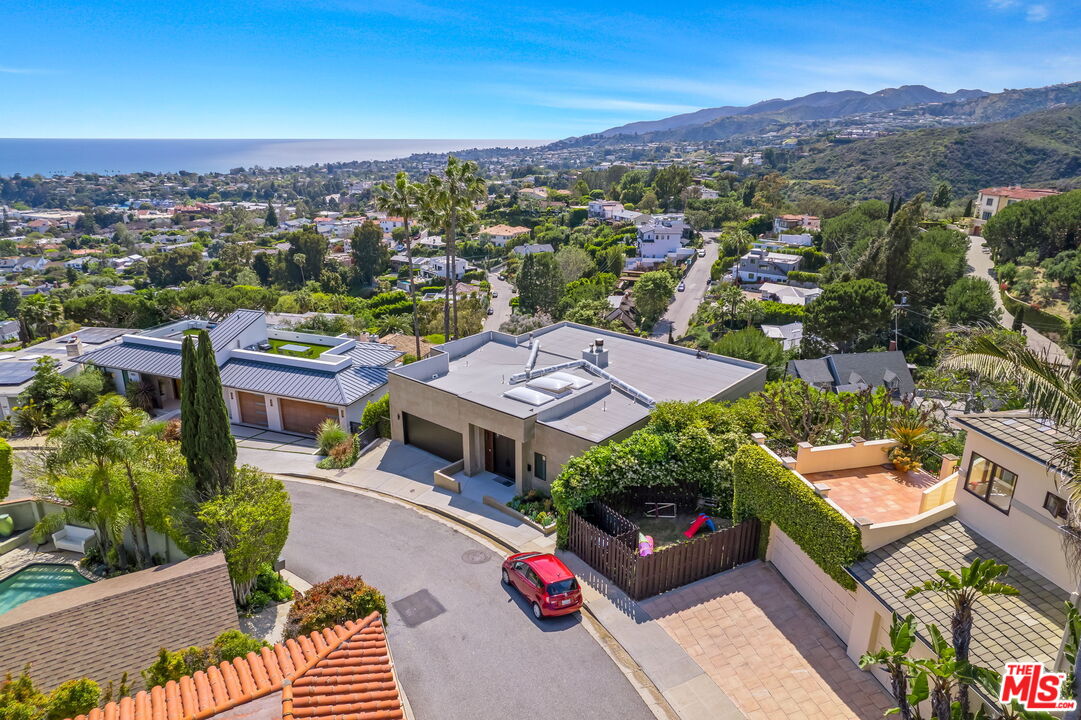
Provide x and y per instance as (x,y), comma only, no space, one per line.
(546,583)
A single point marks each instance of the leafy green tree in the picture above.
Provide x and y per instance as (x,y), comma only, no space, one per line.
(540,283)
(20,700)
(41,315)
(1048,226)
(249,522)
(271,218)
(845,312)
(751,344)
(888,259)
(649,202)
(971,300)
(369,252)
(574,263)
(313,247)
(401,200)
(942,196)
(652,293)
(175,266)
(670,182)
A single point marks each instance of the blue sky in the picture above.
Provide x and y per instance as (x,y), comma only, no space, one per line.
(486,69)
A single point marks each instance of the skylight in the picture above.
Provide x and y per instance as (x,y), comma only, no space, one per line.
(550,384)
(575,382)
(528,396)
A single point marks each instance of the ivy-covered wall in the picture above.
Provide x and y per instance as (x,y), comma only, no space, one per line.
(764,488)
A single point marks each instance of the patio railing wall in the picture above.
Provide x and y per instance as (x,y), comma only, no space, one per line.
(666,569)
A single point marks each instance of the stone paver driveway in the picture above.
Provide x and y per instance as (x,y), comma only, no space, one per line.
(766,648)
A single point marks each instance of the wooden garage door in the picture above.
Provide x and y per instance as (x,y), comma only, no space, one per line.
(304,417)
(252,409)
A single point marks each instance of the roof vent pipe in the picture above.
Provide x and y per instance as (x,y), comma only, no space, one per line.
(532,362)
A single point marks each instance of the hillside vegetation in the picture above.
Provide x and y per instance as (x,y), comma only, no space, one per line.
(1040,148)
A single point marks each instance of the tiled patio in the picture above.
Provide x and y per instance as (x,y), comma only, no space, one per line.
(877,493)
(757,639)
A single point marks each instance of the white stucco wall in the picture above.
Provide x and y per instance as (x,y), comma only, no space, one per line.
(832,602)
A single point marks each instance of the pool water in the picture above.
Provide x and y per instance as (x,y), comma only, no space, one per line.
(35,581)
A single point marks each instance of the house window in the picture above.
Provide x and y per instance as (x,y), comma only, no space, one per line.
(986,215)
(540,467)
(991,483)
(990,201)
(1055,505)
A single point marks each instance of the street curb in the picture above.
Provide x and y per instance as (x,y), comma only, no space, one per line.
(651,695)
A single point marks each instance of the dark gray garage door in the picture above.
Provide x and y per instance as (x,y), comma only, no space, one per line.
(436,439)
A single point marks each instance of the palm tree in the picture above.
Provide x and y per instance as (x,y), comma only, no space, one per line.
(448,203)
(401,199)
(894,660)
(978,580)
(300,260)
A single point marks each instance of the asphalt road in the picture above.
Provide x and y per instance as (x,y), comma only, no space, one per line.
(980,265)
(501,304)
(678,316)
(480,655)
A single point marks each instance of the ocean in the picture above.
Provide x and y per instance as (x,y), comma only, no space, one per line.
(28,156)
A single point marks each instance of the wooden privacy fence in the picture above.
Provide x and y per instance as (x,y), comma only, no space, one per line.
(671,567)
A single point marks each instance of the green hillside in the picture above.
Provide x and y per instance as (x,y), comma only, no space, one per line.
(1039,148)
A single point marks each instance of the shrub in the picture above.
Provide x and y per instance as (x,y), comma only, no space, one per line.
(45,527)
(377,413)
(171,431)
(340,599)
(5,468)
(171,666)
(764,488)
(328,435)
(20,700)
(272,584)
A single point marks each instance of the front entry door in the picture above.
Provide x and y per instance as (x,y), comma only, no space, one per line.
(499,454)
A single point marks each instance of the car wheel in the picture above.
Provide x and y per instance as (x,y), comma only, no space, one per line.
(506,577)
(537,612)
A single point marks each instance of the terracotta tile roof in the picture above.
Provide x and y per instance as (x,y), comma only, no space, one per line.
(344,673)
(1019,193)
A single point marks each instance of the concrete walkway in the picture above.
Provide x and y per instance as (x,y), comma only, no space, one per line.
(405,473)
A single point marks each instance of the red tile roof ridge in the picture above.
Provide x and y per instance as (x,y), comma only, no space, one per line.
(225,686)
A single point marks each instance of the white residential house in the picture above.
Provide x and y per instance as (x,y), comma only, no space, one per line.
(791,222)
(990,200)
(760,265)
(790,335)
(79,263)
(33,263)
(388,224)
(794,240)
(657,240)
(708,193)
(500,235)
(603,209)
(788,294)
(437,267)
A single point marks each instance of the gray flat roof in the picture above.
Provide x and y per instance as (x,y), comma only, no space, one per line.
(481,367)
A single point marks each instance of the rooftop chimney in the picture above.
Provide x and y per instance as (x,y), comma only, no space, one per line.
(596,353)
(74,346)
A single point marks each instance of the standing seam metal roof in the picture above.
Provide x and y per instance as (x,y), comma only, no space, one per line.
(230,328)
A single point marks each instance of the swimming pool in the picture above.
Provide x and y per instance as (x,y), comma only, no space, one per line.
(37,580)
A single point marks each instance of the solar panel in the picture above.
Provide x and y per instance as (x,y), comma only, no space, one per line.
(14,372)
(97,336)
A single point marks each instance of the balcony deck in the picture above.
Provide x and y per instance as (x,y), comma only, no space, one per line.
(877,493)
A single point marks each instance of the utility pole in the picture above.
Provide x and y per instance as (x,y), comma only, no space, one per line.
(897,308)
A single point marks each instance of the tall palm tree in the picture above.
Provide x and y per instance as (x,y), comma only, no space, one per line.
(448,203)
(978,580)
(401,199)
(1053,392)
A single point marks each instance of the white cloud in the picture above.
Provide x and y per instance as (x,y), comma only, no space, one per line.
(1036,13)
(1002,4)
(21,71)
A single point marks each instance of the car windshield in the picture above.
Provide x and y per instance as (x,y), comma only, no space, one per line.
(562,586)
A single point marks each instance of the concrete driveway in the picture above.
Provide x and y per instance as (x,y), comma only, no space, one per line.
(465,646)
(678,316)
(500,304)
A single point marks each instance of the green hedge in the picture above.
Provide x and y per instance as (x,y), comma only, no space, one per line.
(801,276)
(1037,319)
(5,468)
(764,488)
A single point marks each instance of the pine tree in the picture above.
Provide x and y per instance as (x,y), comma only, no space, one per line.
(271,216)
(189,414)
(216,447)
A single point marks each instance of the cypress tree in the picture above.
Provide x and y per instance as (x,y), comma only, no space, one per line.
(968,208)
(189,414)
(271,216)
(1018,319)
(893,206)
(216,447)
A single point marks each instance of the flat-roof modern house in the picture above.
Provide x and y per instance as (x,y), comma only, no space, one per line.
(521,406)
(271,378)
(17,367)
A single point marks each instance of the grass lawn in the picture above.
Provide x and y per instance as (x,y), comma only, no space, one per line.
(191,331)
(669,531)
(311,353)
